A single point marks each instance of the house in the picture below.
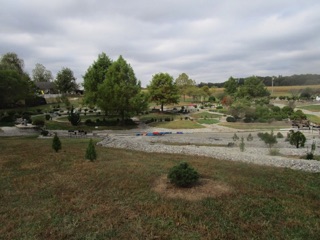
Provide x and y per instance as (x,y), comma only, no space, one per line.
(46,87)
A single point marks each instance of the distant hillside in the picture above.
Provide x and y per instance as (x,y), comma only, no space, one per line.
(294,80)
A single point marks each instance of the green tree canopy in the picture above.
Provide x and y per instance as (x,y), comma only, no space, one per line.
(184,83)
(41,74)
(297,139)
(15,84)
(120,90)
(12,61)
(65,81)
(231,86)
(94,76)
(13,87)
(253,87)
(163,90)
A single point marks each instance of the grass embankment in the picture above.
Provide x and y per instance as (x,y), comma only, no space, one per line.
(178,124)
(313,118)
(48,195)
(312,108)
(242,125)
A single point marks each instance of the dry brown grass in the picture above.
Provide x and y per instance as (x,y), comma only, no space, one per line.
(205,188)
(48,195)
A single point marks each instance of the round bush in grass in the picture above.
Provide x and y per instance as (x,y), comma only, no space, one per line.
(183,175)
(38,122)
(230,119)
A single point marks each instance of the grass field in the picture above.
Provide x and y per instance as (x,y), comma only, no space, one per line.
(48,195)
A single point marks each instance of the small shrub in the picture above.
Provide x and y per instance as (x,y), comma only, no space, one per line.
(279,135)
(242,145)
(274,152)
(269,138)
(91,153)
(313,146)
(74,117)
(250,137)
(88,122)
(183,175)
(309,156)
(56,143)
(44,132)
(219,107)
(235,137)
(38,122)
(47,117)
(230,119)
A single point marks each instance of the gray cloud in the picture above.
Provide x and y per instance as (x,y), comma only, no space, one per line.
(209,40)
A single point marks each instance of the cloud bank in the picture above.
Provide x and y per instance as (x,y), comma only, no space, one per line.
(210,40)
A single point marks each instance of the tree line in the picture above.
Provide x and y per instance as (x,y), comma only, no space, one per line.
(293,80)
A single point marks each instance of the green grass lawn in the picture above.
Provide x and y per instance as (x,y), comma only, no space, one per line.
(205,115)
(178,124)
(48,195)
(312,108)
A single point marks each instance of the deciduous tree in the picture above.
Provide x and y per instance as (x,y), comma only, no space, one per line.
(41,74)
(184,83)
(15,84)
(163,90)
(65,81)
(297,139)
(253,87)
(11,61)
(231,86)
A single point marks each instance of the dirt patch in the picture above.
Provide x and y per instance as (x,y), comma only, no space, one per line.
(204,189)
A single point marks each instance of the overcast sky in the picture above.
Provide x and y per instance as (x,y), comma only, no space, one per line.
(210,40)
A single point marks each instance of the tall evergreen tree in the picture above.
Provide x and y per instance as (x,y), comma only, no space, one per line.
(116,92)
(94,76)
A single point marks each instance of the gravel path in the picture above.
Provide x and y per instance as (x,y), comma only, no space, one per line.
(195,143)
